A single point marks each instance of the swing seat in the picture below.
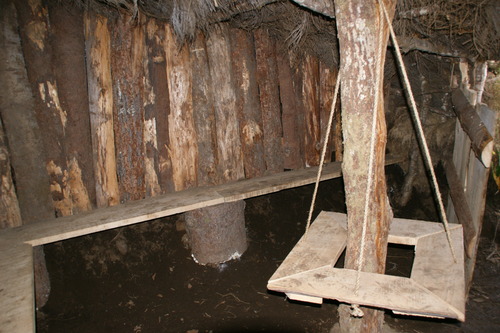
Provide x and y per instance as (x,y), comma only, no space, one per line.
(436,287)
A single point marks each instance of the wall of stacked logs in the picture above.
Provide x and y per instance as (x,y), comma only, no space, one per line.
(101,110)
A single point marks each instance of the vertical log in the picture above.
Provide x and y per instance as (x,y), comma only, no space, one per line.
(23,134)
(327,79)
(100,89)
(292,145)
(10,215)
(310,98)
(183,143)
(244,70)
(267,76)
(358,24)
(51,117)
(157,108)
(127,50)
(228,136)
(204,113)
(338,140)
(68,64)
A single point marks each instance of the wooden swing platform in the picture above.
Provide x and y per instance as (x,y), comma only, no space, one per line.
(436,287)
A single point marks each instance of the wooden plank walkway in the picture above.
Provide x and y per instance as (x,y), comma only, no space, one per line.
(16,255)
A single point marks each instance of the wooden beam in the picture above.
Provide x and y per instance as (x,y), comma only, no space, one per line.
(127,56)
(68,60)
(290,104)
(323,7)
(244,68)
(462,209)
(204,113)
(100,90)
(156,112)
(267,76)
(230,161)
(358,24)
(183,148)
(481,139)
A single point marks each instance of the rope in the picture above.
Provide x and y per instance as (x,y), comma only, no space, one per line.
(323,152)
(420,135)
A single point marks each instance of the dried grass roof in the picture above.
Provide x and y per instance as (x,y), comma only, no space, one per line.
(467,28)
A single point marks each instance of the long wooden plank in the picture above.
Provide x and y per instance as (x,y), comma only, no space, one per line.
(118,216)
(169,204)
(17,298)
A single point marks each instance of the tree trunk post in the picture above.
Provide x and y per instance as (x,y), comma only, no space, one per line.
(358,24)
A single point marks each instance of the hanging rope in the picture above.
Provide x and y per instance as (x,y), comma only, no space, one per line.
(323,152)
(420,135)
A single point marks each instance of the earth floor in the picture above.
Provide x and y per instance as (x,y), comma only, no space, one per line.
(142,278)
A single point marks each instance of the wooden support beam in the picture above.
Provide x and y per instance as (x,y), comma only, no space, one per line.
(311,103)
(358,24)
(156,111)
(183,148)
(127,52)
(481,139)
(323,7)
(68,64)
(267,76)
(291,114)
(10,215)
(100,90)
(462,209)
(244,68)
(230,161)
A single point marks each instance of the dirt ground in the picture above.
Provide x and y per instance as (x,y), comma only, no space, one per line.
(142,278)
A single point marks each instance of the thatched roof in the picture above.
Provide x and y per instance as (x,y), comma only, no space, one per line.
(466,28)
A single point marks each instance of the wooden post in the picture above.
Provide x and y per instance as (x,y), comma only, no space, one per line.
(481,139)
(267,76)
(157,109)
(217,234)
(10,215)
(292,144)
(183,148)
(310,100)
(204,113)
(68,59)
(327,78)
(226,118)
(358,24)
(23,134)
(100,89)
(127,51)
(244,69)
(51,117)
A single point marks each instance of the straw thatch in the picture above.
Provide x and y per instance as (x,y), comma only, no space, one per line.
(456,28)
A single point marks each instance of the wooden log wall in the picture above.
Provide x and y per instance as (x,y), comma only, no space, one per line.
(125,112)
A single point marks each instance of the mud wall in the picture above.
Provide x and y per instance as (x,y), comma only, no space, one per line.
(123,112)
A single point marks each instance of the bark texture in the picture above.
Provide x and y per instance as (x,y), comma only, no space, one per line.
(358,24)
(217,234)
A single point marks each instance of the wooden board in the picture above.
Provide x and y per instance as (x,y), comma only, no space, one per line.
(17,298)
(434,289)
